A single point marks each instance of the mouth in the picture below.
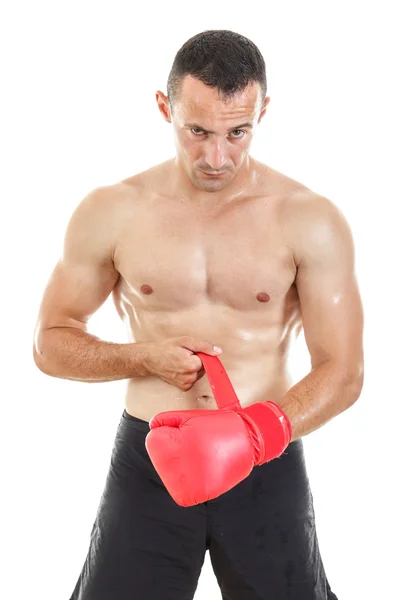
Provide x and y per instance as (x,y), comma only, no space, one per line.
(213,174)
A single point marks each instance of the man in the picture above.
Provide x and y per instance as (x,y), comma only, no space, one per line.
(208,249)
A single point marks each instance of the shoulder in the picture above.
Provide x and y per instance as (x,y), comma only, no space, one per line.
(315,225)
(127,192)
(103,200)
(106,210)
(146,181)
(306,217)
(115,203)
(97,219)
(305,207)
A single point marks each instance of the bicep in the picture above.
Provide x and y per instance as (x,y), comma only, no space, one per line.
(85,275)
(330,301)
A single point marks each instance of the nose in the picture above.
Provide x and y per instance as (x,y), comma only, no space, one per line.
(215,155)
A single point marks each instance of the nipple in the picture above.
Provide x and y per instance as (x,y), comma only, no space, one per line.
(146,289)
(263,297)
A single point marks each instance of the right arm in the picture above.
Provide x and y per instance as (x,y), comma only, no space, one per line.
(80,283)
(82,280)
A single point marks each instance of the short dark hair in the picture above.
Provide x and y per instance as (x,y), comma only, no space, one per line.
(221,59)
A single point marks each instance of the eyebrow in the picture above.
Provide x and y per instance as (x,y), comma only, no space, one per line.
(196,126)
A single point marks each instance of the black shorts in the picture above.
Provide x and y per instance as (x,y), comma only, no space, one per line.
(261,535)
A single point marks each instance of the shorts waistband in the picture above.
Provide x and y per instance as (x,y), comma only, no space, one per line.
(135,422)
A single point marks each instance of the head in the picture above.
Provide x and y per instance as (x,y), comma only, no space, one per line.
(216,98)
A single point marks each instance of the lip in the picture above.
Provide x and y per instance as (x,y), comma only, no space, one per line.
(213,174)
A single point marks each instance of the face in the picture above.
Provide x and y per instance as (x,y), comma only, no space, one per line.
(212,136)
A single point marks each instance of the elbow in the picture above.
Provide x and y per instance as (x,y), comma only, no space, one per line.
(354,385)
(41,354)
(41,361)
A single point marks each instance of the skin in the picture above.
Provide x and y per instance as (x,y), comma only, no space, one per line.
(243,261)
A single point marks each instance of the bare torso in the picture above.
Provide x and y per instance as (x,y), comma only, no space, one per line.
(225,275)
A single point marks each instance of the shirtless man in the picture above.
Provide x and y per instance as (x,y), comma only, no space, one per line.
(210,248)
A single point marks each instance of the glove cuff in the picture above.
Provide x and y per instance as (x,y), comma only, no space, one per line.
(273,429)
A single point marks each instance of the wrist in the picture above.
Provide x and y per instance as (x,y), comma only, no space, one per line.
(138,357)
(271,428)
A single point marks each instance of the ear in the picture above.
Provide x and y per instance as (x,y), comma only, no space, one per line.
(163,105)
(264,107)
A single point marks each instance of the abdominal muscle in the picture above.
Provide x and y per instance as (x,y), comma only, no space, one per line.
(253,357)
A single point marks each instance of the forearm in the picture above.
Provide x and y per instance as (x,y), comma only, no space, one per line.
(324,393)
(70,353)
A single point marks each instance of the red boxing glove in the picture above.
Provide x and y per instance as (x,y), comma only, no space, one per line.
(201,454)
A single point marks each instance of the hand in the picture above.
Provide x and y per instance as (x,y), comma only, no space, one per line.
(200,454)
(174,361)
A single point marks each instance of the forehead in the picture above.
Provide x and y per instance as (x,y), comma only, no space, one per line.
(203,102)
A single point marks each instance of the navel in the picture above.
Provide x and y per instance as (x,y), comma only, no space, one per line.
(146,289)
(263,297)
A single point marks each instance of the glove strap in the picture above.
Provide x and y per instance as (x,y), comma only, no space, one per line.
(273,430)
(220,383)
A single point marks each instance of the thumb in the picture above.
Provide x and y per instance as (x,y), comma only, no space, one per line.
(171,418)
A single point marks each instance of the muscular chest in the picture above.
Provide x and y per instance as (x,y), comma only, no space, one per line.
(174,255)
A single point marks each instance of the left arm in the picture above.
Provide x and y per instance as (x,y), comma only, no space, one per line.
(332,316)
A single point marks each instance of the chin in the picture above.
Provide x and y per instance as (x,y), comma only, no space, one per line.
(210,185)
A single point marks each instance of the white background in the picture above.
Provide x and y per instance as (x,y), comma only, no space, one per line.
(78,111)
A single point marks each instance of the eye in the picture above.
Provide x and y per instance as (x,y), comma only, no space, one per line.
(240,131)
(195,131)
